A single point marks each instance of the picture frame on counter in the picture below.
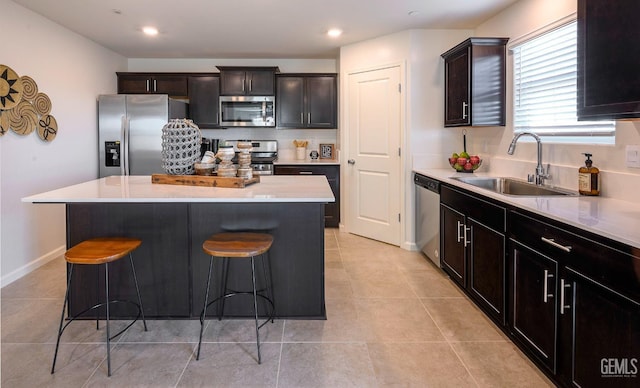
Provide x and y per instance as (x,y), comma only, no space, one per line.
(326,151)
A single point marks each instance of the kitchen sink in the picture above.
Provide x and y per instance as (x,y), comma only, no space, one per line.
(512,186)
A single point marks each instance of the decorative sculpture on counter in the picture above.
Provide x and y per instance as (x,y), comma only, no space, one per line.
(180,146)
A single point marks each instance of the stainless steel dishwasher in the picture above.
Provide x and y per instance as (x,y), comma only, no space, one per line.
(427,216)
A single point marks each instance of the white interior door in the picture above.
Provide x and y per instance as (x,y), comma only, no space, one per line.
(373,169)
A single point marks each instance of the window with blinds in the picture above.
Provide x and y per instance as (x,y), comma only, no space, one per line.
(545,90)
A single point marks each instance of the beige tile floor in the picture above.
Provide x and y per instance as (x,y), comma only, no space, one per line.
(394,319)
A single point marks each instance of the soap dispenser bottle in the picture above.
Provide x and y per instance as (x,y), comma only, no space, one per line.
(588,178)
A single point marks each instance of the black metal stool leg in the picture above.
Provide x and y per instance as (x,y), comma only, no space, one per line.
(135,280)
(223,287)
(204,310)
(255,306)
(106,289)
(64,306)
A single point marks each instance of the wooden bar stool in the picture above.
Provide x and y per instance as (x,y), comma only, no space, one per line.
(238,245)
(95,252)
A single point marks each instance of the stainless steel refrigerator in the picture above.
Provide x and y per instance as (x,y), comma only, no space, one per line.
(130,132)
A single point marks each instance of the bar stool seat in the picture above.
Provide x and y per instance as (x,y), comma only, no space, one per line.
(101,251)
(239,245)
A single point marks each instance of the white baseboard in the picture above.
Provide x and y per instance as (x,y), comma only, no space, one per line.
(32,266)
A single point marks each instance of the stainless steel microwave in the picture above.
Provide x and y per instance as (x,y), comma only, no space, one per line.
(247,111)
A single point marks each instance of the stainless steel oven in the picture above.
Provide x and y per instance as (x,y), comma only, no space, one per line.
(263,154)
(247,111)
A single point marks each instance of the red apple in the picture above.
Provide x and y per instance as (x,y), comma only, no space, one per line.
(468,166)
(462,161)
(453,161)
(475,159)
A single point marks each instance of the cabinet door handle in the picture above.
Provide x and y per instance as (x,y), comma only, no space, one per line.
(308,118)
(242,86)
(250,84)
(545,291)
(306,173)
(464,110)
(563,286)
(550,241)
(459,236)
(147,85)
(155,85)
(466,239)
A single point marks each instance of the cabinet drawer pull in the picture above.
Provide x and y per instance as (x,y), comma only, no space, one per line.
(563,286)
(147,85)
(550,241)
(464,110)
(545,291)
(306,172)
(155,85)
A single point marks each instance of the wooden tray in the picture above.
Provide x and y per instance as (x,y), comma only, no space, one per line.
(203,180)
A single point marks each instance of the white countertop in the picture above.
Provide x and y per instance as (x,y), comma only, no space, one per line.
(130,189)
(611,218)
(307,161)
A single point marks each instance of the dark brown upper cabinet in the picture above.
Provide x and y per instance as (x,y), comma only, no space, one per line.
(608,59)
(306,101)
(475,87)
(204,98)
(173,84)
(247,81)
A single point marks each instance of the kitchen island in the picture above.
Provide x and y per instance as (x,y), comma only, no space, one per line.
(173,221)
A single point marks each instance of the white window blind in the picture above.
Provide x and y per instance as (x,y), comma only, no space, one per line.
(545,89)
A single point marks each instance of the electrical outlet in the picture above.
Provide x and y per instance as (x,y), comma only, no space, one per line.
(633,156)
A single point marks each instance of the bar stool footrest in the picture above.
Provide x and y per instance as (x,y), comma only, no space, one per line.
(80,314)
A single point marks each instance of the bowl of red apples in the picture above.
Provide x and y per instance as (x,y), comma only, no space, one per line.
(463,162)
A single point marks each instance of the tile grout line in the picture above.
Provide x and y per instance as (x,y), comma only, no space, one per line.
(284,323)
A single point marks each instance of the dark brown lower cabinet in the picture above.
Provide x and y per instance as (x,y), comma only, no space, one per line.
(601,334)
(533,318)
(574,303)
(332,172)
(473,248)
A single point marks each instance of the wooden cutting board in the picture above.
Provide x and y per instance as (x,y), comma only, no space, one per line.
(203,180)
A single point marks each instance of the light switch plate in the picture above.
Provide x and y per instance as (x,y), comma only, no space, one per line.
(633,156)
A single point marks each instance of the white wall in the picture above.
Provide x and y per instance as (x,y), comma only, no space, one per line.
(424,139)
(618,181)
(72,71)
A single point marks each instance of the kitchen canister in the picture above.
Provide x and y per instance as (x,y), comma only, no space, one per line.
(180,146)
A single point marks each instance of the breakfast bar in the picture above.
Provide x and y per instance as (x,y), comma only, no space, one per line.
(174,220)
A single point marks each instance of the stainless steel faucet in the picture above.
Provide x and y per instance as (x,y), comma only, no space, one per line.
(540,175)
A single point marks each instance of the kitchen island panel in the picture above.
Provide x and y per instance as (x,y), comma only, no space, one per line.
(296,256)
(161,261)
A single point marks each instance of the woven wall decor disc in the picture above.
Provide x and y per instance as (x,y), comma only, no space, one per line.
(47,128)
(10,88)
(29,88)
(23,119)
(42,103)
(4,122)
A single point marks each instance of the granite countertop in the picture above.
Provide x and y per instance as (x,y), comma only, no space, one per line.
(139,189)
(611,218)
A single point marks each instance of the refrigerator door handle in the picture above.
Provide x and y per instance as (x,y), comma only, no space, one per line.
(126,122)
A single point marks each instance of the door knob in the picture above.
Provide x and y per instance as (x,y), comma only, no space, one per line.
(351,161)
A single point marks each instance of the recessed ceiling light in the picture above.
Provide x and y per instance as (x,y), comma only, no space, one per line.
(334,32)
(151,31)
